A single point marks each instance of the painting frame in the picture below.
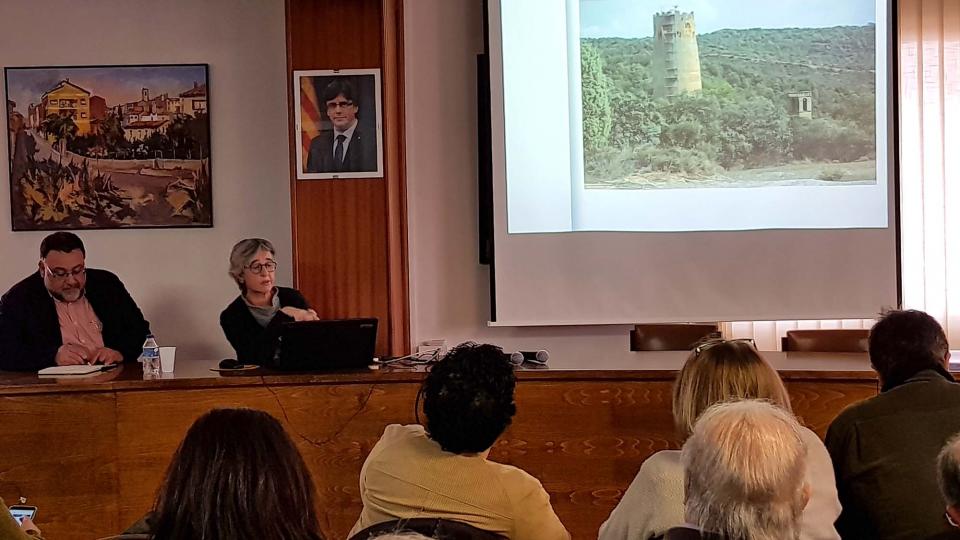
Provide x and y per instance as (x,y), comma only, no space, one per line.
(316,149)
(140,179)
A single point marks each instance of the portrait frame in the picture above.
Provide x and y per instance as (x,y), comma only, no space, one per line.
(124,146)
(316,147)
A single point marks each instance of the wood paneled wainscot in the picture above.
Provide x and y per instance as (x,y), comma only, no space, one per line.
(91,452)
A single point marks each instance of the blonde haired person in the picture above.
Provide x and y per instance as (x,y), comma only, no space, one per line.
(717,371)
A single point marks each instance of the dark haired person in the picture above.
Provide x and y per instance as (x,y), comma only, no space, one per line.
(884,448)
(441,470)
(66,313)
(347,147)
(236,475)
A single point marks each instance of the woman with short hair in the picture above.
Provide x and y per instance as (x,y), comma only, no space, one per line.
(252,322)
(717,371)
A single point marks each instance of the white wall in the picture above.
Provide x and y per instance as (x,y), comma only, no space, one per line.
(177,276)
(449,290)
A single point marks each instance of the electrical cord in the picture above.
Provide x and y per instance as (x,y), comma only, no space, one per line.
(416,359)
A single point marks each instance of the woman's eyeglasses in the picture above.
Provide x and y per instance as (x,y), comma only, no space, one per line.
(256,268)
(713,343)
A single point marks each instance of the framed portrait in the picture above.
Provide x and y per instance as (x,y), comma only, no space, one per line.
(339,132)
(109,147)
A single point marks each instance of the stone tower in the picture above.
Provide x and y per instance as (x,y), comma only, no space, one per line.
(676,55)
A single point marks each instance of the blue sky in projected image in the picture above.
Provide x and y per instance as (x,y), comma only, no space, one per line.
(634,18)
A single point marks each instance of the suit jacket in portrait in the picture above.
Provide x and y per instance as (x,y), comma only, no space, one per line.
(30,330)
(361,154)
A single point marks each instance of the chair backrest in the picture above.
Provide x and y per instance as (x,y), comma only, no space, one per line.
(438,528)
(670,337)
(839,340)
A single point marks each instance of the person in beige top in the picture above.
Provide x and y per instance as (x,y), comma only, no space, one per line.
(718,371)
(441,470)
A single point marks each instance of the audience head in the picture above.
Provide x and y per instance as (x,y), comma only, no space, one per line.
(63,265)
(468,398)
(948,464)
(744,467)
(722,370)
(237,475)
(402,536)
(905,342)
(253,265)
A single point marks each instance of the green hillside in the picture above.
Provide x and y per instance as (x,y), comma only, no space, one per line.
(741,118)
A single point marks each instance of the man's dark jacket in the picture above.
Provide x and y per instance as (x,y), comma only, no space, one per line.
(30,331)
(361,155)
(884,453)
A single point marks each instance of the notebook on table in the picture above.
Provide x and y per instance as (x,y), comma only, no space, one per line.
(80,369)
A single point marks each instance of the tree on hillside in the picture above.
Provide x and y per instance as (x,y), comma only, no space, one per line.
(596,99)
(636,120)
(63,129)
(111,133)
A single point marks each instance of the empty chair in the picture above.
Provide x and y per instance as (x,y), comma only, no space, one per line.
(670,337)
(440,529)
(840,340)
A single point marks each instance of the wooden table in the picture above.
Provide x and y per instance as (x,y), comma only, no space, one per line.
(90,452)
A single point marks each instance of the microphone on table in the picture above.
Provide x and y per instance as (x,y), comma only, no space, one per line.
(537,357)
(519,357)
(514,358)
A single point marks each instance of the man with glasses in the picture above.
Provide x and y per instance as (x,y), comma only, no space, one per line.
(347,147)
(68,314)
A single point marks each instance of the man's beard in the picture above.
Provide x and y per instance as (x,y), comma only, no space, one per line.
(70,296)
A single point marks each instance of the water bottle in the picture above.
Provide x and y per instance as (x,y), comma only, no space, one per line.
(150,358)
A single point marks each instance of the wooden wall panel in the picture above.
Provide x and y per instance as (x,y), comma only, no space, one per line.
(93,460)
(350,235)
(60,451)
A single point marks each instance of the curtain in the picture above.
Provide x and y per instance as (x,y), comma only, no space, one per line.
(929,57)
(930,159)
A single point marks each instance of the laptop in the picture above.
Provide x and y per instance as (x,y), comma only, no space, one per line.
(327,345)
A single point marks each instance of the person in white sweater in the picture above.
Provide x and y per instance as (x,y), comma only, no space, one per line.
(717,371)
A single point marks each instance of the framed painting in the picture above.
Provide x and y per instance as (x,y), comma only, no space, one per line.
(109,147)
(338,124)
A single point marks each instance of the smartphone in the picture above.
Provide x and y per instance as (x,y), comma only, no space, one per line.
(19,511)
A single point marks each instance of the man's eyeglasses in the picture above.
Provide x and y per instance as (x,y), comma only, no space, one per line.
(331,105)
(714,342)
(60,273)
(256,268)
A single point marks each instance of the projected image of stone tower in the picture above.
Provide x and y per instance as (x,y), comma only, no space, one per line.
(676,56)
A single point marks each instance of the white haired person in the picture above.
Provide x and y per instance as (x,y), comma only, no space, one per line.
(252,322)
(744,467)
(717,371)
(948,469)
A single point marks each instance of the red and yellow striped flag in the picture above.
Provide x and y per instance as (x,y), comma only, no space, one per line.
(309,116)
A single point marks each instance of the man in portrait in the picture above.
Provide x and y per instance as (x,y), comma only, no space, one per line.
(347,147)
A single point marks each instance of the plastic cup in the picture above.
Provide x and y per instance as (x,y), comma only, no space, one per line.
(168,355)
